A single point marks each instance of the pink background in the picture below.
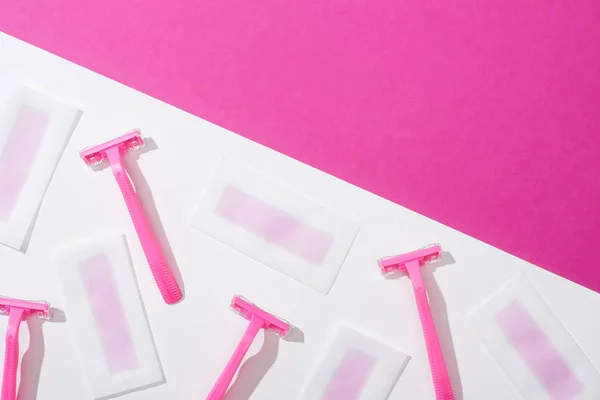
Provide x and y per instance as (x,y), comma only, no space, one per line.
(483,115)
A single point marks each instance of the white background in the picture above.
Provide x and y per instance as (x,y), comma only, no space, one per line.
(196,337)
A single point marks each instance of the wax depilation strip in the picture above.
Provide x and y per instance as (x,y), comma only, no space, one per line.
(351,376)
(535,348)
(532,347)
(274,225)
(19,154)
(354,366)
(34,130)
(109,317)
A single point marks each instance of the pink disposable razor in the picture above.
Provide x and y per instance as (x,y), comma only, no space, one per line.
(111,151)
(16,310)
(259,319)
(411,263)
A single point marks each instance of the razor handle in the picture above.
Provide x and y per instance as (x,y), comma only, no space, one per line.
(167,285)
(222,384)
(11,354)
(439,373)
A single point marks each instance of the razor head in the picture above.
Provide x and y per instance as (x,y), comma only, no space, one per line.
(94,156)
(248,310)
(426,255)
(40,309)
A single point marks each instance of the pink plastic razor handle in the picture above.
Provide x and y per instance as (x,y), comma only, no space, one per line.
(411,263)
(259,319)
(169,289)
(16,310)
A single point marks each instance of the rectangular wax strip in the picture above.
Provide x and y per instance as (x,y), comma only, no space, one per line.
(34,130)
(107,318)
(531,346)
(534,346)
(19,155)
(274,225)
(351,376)
(107,307)
(354,366)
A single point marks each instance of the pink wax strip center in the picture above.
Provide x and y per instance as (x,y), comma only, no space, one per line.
(351,376)
(274,225)
(18,156)
(536,349)
(109,315)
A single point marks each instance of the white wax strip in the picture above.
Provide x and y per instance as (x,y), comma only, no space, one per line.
(107,318)
(275,225)
(111,324)
(354,366)
(351,376)
(532,347)
(33,133)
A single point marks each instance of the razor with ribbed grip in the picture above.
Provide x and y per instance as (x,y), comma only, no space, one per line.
(259,319)
(16,310)
(111,151)
(411,263)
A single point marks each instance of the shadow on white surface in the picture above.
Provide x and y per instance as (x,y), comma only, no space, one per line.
(294,335)
(58,315)
(256,367)
(31,365)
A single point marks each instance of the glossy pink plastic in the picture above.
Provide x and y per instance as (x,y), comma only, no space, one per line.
(411,263)
(16,310)
(259,319)
(111,151)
